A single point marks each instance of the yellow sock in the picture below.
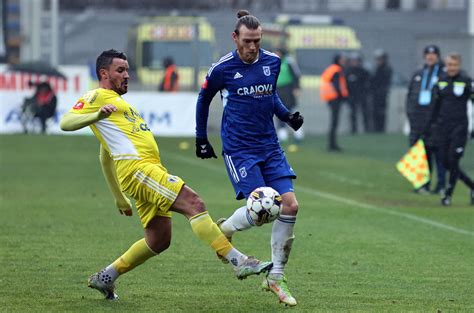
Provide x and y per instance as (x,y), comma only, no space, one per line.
(138,253)
(206,230)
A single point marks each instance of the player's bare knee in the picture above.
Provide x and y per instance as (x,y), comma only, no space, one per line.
(290,208)
(159,245)
(165,244)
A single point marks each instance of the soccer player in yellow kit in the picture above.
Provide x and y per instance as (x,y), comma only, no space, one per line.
(131,164)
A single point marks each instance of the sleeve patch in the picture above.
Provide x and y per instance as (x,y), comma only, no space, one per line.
(79,105)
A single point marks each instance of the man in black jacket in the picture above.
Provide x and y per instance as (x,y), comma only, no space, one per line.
(358,81)
(419,110)
(380,87)
(450,98)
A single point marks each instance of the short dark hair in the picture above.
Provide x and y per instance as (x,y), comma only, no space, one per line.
(336,59)
(244,18)
(106,58)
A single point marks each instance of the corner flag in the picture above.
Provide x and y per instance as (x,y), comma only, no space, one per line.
(414,165)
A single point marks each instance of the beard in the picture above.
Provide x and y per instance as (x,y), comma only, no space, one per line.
(121,87)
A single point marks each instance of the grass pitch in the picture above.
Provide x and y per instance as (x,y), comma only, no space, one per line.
(364,241)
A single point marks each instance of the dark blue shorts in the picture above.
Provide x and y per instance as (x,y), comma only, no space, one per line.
(250,171)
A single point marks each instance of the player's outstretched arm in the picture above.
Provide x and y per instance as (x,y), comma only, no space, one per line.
(72,121)
(108,168)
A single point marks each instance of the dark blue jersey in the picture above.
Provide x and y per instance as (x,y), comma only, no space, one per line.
(248,93)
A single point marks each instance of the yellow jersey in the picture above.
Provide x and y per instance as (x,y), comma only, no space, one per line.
(124,134)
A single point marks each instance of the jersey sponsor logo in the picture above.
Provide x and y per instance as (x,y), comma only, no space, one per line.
(140,127)
(144,126)
(79,105)
(243,172)
(138,124)
(266,70)
(132,116)
(204,84)
(257,90)
(238,75)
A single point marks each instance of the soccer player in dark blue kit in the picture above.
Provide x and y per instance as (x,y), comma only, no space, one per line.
(246,79)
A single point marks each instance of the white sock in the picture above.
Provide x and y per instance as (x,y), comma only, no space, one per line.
(108,275)
(238,221)
(235,257)
(282,239)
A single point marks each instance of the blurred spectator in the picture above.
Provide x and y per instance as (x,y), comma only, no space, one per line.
(41,106)
(333,89)
(170,82)
(380,87)
(288,87)
(419,109)
(358,81)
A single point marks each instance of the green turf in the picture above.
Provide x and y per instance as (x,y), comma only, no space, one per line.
(364,241)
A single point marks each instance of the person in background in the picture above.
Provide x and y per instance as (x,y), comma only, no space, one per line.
(288,87)
(451,95)
(419,109)
(358,82)
(333,89)
(170,82)
(41,106)
(471,116)
(380,87)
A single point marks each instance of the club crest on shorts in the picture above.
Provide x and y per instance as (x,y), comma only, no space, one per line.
(172,179)
(243,172)
(266,70)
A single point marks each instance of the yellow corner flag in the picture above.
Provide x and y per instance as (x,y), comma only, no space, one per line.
(414,165)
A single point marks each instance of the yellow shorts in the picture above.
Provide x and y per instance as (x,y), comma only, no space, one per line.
(152,187)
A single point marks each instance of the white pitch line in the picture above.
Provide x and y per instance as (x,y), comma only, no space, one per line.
(344,179)
(336,198)
(367,206)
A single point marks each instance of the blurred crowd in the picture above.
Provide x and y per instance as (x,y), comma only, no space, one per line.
(346,81)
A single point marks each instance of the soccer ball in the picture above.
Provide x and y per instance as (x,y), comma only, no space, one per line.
(264,205)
